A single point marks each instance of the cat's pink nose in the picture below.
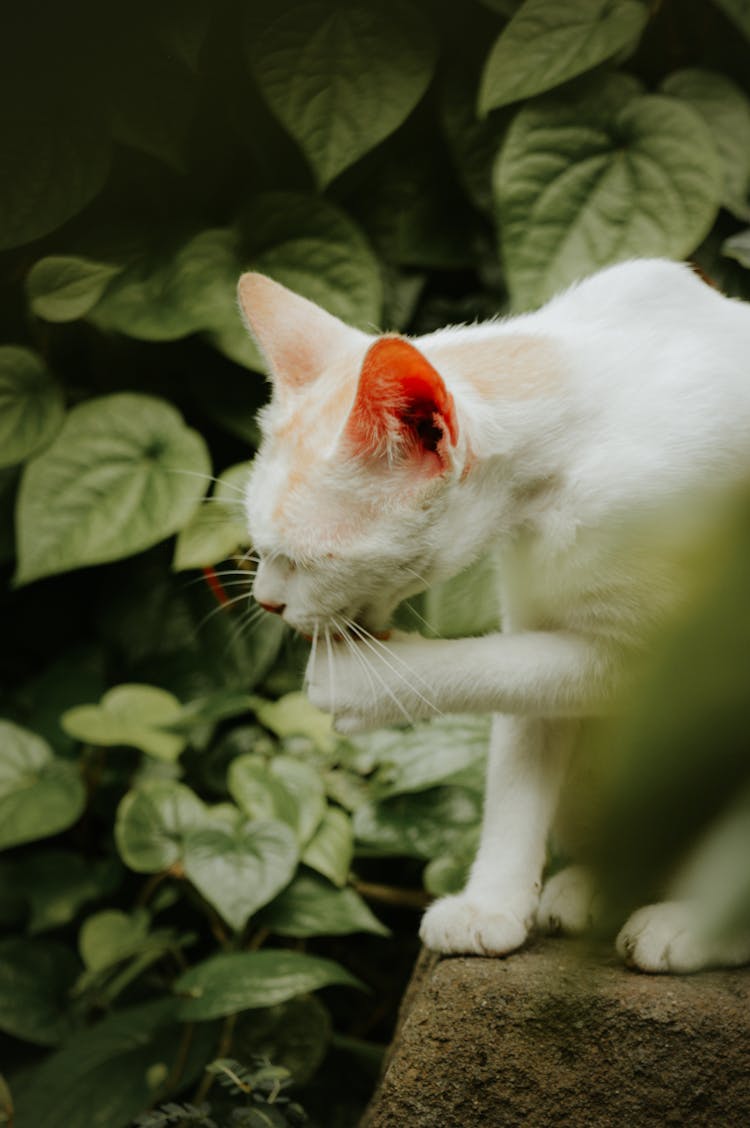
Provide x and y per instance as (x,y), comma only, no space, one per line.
(274,608)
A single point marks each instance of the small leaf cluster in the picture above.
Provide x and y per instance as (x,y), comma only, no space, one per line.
(184,841)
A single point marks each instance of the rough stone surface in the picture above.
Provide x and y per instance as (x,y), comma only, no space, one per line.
(560,1035)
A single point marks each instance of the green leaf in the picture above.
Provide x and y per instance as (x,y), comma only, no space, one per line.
(106,1075)
(284,788)
(427,754)
(218,528)
(31,404)
(466,604)
(725,109)
(123,473)
(737,247)
(312,907)
(136,715)
(35,980)
(601,174)
(295,1035)
(419,825)
(239,869)
(295,715)
(57,883)
(55,160)
(449,872)
(546,43)
(110,936)
(236,981)
(330,849)
(153,822)
(40,794)
(738,11)
(66,287)
(339,76)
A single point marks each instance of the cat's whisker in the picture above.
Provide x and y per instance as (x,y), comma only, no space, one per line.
(222,607)
(381,650)
(248,622)
(206,478)
(416,575)
(371,672)
(314,647)
(421,619)
(329,650)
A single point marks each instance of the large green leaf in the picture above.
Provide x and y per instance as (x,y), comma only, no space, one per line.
(136,715)
(427,754)
(725,108)
(31,404)
(40,794)
(738,11)
(340,76)
(602,174)
(104,1076)
(123,473)
(419,825)
(237,981)
(330,849)
(283,788)
(66,287)
(546,43)
(35,981)
(313,907)
(239,869)
(153,822)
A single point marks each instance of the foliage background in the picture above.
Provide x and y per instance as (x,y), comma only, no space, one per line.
(188,851)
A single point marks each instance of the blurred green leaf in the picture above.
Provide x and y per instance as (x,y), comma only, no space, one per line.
(218,528)
(312,907)
(294,1034)
(419,825)
(725,109)
(295,715)
(340,76)
(66,287)
(57,883)
(153,822)
(546,43)
(110,936)
(123,473)
(136,715)
(35,980)
(427,754)
(31,404)
(600,174)
(330,849)
(40,794)
(236,981)
(738,11)
(282,788)
(240,869)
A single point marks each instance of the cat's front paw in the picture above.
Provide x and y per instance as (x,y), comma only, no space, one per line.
(672,937)
(569,903)
(460,926)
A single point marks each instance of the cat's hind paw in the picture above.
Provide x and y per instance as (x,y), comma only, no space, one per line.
(456,925)
(672,937)
(569,902)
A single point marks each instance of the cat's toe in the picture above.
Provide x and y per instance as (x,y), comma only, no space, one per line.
(664,938)
(569,902)
(458,925)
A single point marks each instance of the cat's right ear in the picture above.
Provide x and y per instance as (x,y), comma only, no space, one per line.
(297,339)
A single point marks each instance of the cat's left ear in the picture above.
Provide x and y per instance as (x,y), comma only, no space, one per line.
(298,339)
(402,410)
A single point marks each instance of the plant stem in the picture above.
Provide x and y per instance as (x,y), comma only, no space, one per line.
(223,1047)
(392,895)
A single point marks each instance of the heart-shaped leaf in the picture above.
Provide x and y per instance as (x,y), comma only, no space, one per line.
(312,907)
(239,869)
(418,825)
(283,788)
(40,794)
(122,474)
(35,980)
(236,981)
(135,715)
(66,287)
(110,936)
(330,849)
(152,824)
(31,404)
(341,76)
(295,715)
(601,174)
(546,43)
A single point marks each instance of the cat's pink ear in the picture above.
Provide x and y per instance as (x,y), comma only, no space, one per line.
(402,409)
(298,339)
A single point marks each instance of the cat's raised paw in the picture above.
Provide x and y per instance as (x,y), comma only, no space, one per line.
(568,903)
(456,925)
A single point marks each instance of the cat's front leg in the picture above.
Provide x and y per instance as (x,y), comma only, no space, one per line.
(366,683)
(496,910)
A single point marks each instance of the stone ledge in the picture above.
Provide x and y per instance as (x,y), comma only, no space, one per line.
(558,1034)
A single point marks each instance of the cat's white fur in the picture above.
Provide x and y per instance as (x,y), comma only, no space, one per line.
(596,422)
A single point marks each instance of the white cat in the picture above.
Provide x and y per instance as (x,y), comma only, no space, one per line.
(388,464)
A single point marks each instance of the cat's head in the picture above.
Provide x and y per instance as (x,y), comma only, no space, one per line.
(348,500)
